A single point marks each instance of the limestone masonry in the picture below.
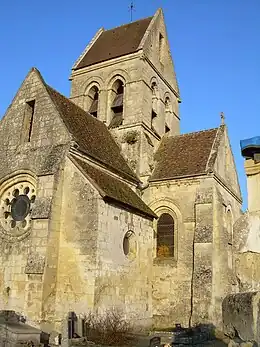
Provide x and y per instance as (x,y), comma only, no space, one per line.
(105,204)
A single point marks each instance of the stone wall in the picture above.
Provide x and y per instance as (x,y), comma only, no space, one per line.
(172,277)
(192,285)
(76,246)
(124,280)
(93,271)
(28,166)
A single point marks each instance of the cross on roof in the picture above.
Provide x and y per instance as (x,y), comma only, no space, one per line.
(132,7)
(222,116)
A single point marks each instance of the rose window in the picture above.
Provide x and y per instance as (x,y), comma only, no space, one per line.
(16,206)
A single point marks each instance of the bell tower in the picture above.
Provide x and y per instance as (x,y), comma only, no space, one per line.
(125,77)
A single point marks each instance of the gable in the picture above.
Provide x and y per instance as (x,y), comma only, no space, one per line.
(183,155)
(157,49)
(224,165)
(114,43)
(57,120)
(32,108)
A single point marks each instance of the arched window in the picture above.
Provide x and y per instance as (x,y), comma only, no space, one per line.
(154,98)
(93,101)
(165,236)
(167,112)
(117,105)
(154,118)
(167,104)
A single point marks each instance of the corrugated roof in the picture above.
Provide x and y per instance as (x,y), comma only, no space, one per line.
(183,155)
(114,189)
(115,43)
(91,135)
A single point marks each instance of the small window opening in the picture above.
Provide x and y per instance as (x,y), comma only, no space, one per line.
(126,246)
(154,113)
(28,121)
(154,86)
(93,94)
(161,42)
(117,106)
(167,129)
(129,245)
(165,236)
(167,104)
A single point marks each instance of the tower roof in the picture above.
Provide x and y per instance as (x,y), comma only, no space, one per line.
(115,42)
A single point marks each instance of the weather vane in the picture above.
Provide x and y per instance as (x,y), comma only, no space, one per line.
(131,8)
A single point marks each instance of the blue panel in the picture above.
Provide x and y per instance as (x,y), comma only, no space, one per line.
(250,146)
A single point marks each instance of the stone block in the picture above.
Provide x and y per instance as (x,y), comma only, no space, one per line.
(241,316)
(35,264)
(41,208)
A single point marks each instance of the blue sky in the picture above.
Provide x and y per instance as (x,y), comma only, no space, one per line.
(214,43)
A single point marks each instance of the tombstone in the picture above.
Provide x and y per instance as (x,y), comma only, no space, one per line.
(155,341)
(72,319)
(13,332)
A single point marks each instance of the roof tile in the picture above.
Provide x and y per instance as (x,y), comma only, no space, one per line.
(183,155)
(114,189)
(91,135)
(115,43)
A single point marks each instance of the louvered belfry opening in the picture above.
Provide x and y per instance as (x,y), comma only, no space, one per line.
(93,94)
(117,106)
(165,236)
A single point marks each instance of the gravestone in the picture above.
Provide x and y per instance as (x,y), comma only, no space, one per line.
(13,332)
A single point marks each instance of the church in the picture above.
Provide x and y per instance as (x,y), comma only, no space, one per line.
(104,203)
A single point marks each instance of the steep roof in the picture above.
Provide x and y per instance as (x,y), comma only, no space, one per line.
(115,43)
(113,189)
(91,135)
(184,155)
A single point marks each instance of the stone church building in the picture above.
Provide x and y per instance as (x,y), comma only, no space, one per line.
(104,203)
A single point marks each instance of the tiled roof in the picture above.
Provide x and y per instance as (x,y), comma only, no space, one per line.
(91,135)
(184,155)
(115,43)
(114,190)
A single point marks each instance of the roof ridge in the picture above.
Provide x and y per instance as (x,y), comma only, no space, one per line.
(129,23)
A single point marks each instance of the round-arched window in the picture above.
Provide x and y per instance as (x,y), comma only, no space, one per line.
(130,245)
(16,206)
(93,101)
(117,105)
(165,236)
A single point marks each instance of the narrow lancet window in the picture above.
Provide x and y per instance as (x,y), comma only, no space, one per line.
(154,102)
(161,42)
(93,95)
(117,105)
(28,121)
